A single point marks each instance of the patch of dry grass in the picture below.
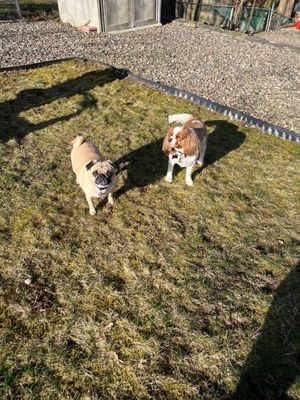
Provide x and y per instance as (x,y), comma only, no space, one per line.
(30,9)
(39,9)
(172,293)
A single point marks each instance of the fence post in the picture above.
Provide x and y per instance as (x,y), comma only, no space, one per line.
(267,23)
(18,9)
(270,17)
(250,17)
(231,17)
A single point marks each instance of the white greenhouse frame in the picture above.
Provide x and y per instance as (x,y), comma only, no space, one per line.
(110,15)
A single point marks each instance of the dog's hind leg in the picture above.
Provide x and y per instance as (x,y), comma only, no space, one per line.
(188,176)
(200,160)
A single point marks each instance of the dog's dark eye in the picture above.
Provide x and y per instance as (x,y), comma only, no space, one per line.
(95,174)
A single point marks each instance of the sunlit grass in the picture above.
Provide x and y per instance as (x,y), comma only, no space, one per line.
(163,295)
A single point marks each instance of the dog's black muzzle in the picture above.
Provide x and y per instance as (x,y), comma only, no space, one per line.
(102,180)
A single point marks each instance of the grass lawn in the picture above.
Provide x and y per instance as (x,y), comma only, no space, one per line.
(36,9)
(173,292)
(31,9)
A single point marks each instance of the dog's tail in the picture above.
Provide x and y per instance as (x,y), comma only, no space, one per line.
(78,141)
(180,118)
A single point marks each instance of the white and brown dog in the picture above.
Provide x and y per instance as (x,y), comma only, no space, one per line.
(94,174)
(185,145)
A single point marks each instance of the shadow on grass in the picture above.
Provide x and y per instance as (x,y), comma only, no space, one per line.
(274,362)
(221,141)
(148,164)
(144,166)
(224,138)
(14,126)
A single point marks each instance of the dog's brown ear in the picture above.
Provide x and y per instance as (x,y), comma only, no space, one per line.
(166,148)
(77,141)
(189,141)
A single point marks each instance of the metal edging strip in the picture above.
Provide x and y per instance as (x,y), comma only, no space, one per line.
(231,113)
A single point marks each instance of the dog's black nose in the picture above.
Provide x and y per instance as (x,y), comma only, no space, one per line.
(170,140)
(102,180)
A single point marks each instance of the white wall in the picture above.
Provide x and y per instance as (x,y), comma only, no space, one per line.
(79,12)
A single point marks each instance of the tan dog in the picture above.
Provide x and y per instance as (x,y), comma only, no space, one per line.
(96,176)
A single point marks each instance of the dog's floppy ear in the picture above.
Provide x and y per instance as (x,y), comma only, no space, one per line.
(90,164)
(189,141)
(166,148)
(77,141)
(115,165)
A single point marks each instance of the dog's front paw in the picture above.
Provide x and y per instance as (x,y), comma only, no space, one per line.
(189,182)
(111,199)
(169,179)
(93,212)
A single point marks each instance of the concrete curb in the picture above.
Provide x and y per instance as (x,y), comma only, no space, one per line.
(231,113)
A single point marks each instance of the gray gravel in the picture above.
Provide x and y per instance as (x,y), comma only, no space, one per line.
(255,78)
(284,36)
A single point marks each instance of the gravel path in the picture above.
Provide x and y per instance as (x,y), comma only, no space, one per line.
(284,36)
(252,77)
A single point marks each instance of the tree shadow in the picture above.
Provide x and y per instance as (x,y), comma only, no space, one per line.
(274,362)
(14,126)
(148,164)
